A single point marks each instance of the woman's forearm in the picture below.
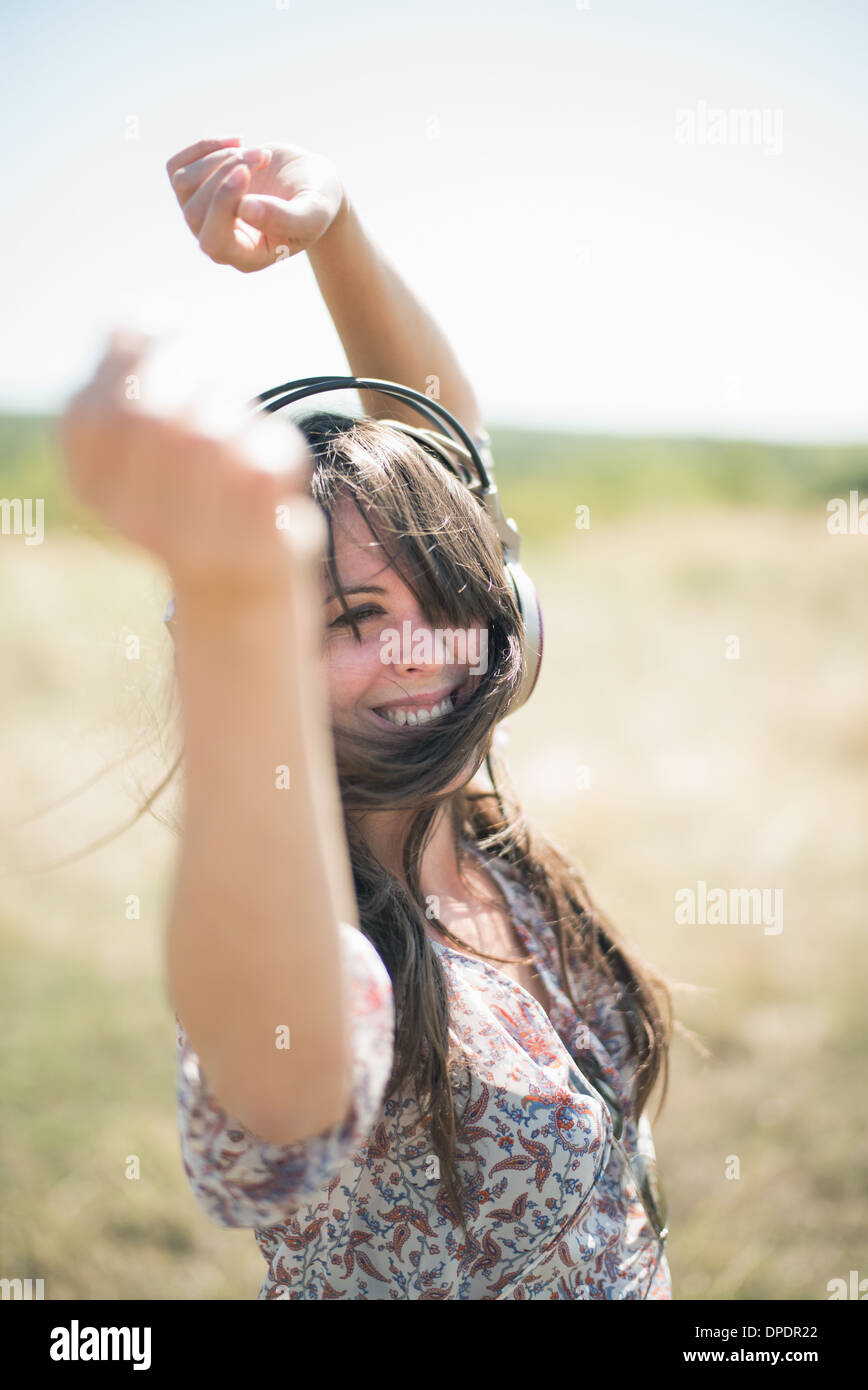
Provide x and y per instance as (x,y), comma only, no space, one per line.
(264,875)
(385,330)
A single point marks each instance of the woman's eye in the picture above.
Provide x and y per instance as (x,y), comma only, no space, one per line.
(360,614)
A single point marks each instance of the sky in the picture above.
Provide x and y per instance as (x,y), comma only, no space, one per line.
(569,187)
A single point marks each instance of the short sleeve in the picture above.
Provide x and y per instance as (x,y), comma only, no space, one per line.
(239,1179)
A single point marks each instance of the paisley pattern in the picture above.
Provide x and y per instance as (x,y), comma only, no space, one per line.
(357,1213)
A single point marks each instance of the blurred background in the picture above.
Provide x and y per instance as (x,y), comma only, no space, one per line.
(644,232)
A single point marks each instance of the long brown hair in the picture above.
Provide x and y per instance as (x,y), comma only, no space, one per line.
(437,537)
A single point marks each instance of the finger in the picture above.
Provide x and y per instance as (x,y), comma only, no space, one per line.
(91,420)
(194,177)
(123,352)
(302,219)
(217,237)
(196,209)
(189,179)
(194,152)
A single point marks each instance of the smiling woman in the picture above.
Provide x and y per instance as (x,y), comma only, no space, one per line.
(461,1112)
(400,683)
(412,727)
(380,491)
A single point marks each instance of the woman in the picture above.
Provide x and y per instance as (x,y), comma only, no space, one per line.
(414,1056)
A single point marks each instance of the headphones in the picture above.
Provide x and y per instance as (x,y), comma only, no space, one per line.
(463,459)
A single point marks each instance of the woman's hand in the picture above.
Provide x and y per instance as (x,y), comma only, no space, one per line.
(228,510)
(250,208)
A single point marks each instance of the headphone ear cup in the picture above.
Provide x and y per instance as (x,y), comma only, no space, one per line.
(530,609)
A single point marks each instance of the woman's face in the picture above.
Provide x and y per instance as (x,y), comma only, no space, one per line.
(368,678)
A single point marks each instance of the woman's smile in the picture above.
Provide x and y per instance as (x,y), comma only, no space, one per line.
(421,708)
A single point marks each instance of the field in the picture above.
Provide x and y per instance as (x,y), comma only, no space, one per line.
(742,771)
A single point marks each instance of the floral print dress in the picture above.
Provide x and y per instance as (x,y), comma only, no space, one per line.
(551,1206)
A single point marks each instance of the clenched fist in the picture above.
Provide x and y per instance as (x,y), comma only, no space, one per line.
(228,508)
(249,208)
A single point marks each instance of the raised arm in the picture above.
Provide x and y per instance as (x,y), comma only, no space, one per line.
(386,331)
(251,207)
(264,880)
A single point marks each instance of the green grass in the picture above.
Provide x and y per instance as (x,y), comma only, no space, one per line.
(612,475)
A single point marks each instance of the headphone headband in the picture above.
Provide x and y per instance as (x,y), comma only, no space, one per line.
(483,486)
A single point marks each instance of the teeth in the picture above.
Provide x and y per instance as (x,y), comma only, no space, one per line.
(419,716)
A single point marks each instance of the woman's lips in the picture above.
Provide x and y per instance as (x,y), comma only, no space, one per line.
(457,694)
(424,701)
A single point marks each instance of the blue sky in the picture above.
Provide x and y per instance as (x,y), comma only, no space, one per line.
(546,176)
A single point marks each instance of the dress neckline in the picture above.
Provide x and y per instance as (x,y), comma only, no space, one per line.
(531,946)
(599,1086)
